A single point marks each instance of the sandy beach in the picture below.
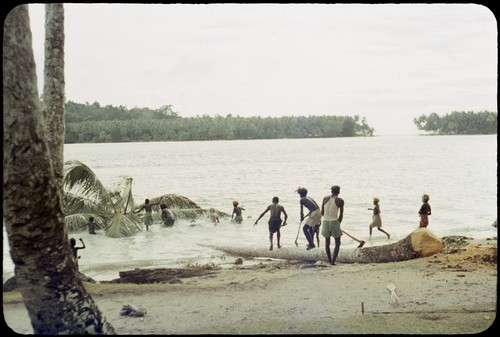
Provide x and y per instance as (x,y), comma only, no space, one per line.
(453,292)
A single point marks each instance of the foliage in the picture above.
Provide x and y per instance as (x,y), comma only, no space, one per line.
(77,112)
(85,195)
(113,207)
(93,124)
(459,123)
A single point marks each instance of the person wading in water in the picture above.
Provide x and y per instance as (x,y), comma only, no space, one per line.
(148,217)
(274,220)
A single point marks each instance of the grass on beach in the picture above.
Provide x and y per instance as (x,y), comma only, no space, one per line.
(448,322)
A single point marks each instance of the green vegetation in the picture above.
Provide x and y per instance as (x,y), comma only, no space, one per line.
(459,123)
(112,207)
(91,123)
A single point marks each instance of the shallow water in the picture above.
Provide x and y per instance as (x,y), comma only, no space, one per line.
(458,172)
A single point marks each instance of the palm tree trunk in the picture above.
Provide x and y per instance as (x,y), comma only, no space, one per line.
(54,86)
(47,275)
(419,243)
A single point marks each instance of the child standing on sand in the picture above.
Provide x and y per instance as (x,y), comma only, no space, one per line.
(377,220)
(425,211)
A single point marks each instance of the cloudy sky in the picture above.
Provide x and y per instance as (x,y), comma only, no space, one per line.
(387,63)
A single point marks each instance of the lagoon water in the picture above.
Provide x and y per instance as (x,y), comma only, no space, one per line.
(458,172)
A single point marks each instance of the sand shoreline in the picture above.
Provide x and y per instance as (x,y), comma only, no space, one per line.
(445,293)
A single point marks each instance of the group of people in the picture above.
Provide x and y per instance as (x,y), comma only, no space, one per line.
(330,215)
(167,216)
(236,216)
(332,212)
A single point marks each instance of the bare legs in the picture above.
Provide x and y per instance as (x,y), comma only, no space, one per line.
(388,235)
(380,229)
(335,250)
(309,233)
(278,236)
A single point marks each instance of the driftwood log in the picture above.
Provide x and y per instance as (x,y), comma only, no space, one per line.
(158,275)
(419,243)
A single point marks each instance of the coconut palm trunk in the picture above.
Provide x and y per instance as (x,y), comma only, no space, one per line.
(420,243)
(54,87)
(47,275)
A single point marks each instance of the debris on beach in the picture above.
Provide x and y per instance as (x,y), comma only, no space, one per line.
(128,310)
(158,275)
(395,301)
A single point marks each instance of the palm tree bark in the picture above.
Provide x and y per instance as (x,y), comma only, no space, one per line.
(420,243)
(54,86)
(54,296)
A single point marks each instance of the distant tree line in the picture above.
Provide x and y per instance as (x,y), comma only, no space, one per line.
(91,123)
(459,123)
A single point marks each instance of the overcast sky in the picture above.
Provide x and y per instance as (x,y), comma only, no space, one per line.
(387,63)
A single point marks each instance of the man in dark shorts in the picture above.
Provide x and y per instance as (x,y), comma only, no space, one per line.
(274,220)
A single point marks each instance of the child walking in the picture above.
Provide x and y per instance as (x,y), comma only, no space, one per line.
(377,220)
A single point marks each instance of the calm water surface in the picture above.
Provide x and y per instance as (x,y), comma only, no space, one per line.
(458,172)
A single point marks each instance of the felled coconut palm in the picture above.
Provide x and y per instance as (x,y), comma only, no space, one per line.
(113,208)
(419,243)
(85,195)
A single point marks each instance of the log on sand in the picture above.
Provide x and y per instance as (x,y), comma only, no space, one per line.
(419,243)
(158,275)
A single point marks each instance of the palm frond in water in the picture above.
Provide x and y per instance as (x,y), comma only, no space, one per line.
(78,221)
(190,213)
(75,203)
(121,195)
(113,207)
(175,201)
(79,176)
(86,196)
(121,225)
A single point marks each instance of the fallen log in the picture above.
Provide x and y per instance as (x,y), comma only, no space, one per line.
(158,275)
(419,243)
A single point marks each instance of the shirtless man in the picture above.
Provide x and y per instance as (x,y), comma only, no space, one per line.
(274,220)
(167,216)
(148,217)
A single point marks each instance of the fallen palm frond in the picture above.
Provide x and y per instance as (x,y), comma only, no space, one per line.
(113,206)
(85,195)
